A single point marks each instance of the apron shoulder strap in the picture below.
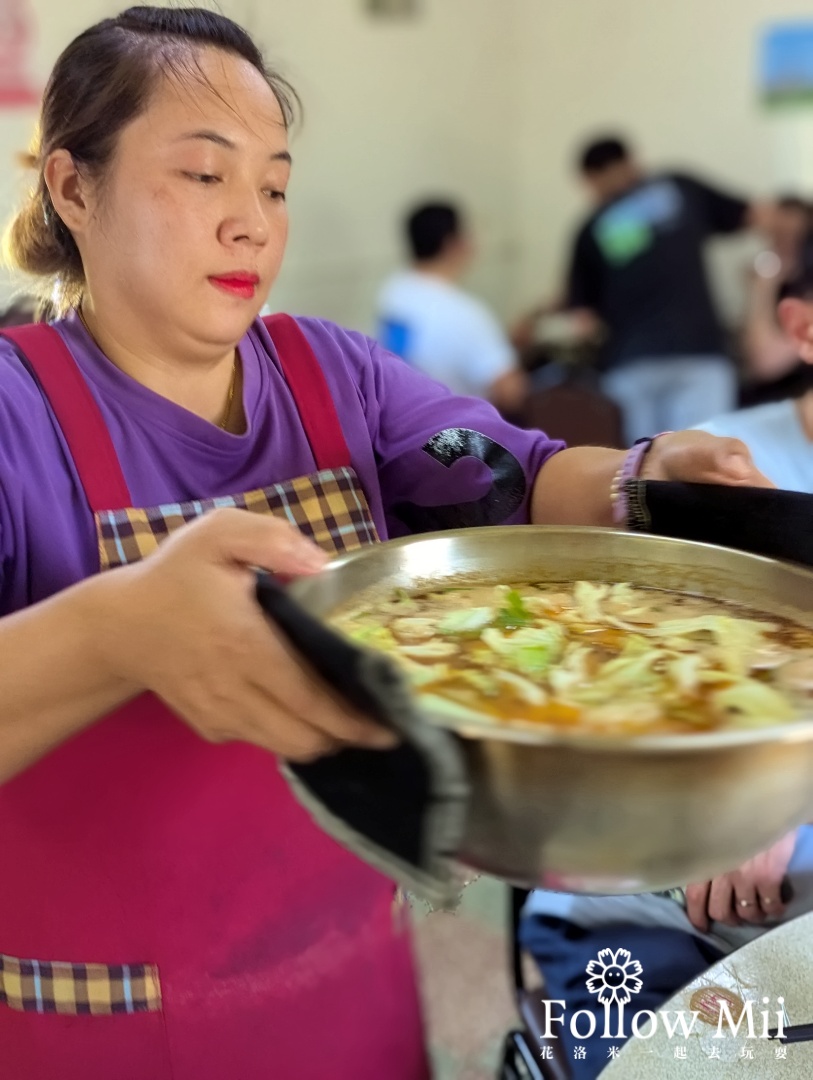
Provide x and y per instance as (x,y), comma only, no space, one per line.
(45,353)
(307,383)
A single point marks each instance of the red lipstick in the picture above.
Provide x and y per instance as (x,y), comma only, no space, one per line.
(239,283)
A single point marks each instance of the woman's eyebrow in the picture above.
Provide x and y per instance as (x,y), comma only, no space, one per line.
(221,140)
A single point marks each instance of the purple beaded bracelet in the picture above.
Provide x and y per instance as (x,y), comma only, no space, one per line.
(630,469)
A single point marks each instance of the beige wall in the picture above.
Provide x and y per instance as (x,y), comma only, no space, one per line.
(486,99)
(394,110)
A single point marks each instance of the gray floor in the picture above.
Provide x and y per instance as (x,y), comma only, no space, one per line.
(466,981)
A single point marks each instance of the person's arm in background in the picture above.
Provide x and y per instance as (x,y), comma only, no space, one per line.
(764,345)
(760,216)
(769,353)
(724,212)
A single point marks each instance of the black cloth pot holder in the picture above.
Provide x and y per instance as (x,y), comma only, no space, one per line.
(764,521)
(401,810)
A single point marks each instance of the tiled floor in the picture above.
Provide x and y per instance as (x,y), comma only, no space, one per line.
(466,980)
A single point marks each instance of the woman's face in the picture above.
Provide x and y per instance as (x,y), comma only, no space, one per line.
(188,228)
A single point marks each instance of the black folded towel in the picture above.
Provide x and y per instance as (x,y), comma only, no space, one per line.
(401,810)
(764,521)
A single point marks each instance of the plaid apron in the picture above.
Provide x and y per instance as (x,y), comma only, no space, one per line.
(168,910)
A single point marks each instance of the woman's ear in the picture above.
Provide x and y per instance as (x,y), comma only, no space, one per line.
(68,190)
(796,318)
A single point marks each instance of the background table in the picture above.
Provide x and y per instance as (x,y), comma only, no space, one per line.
(777,964)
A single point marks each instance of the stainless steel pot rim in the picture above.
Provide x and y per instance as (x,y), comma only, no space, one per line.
(560,530)
(800,731)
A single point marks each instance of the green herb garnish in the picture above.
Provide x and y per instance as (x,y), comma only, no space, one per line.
(514,614)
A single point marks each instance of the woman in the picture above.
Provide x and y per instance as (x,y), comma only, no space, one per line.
(169,910)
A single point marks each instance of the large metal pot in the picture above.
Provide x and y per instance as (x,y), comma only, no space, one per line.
(601,815)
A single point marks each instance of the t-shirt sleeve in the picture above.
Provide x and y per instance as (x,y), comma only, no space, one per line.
(720,211)
(444,461)
(585,275)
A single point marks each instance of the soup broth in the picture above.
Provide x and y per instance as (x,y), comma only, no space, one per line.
(597,658)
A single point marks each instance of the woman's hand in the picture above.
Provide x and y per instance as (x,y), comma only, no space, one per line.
(187,626)
(573,486)
(697,457)
(749,895)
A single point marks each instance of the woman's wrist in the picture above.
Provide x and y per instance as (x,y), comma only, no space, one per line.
(110,618)
(631,468)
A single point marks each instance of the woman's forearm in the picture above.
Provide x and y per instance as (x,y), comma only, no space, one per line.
(54,680)
(573,487)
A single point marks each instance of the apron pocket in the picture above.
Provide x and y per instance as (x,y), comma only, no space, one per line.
(79,989)
(81,1021)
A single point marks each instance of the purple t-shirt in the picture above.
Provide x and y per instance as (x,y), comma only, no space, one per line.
(425,458)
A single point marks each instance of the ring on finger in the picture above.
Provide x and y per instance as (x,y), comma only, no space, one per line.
(747,903)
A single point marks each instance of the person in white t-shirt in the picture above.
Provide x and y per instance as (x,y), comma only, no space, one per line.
(427,319)
(780,434)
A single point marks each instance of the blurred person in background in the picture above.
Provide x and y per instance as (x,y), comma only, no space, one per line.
(771,361)
(637,274)
(780,433)
(427,319)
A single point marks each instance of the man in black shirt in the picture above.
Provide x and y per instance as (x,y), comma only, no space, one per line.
(637,266)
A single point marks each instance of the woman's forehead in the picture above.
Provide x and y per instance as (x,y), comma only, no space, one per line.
(214,90)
